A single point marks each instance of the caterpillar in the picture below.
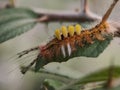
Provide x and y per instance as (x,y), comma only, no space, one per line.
(68,41)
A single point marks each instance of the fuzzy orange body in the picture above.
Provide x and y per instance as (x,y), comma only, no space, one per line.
(60,48)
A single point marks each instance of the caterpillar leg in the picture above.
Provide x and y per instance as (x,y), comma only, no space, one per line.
(26,51)
(25,69)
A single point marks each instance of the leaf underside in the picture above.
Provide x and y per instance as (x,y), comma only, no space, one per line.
(15,21)
(88,50)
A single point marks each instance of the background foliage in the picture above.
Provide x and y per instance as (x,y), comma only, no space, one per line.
(74,68)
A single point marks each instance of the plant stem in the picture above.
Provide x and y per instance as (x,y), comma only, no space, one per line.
(12,3)
(84,5)
(107,14)
(49,75)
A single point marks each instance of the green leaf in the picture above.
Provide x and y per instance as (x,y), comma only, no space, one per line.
(48,86)
(100,75)
(93,50)
(15,21)
(88,50)
(40,62)
(54,83)
(115,88)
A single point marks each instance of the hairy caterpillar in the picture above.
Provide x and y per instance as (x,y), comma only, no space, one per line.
(69,41)
(66,41)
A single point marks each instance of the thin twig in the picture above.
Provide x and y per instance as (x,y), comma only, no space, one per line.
(110,76)
(107,14)
(84,5)
(49,75)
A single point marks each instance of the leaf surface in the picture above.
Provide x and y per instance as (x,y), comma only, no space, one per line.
(15,21)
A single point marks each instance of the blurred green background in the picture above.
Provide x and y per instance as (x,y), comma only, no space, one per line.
(76,67)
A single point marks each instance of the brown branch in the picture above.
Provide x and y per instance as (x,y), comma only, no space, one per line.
(83,16)
(76,17)
(112,81)
(84,5)
(4,5)
(110,77)
(107,14)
